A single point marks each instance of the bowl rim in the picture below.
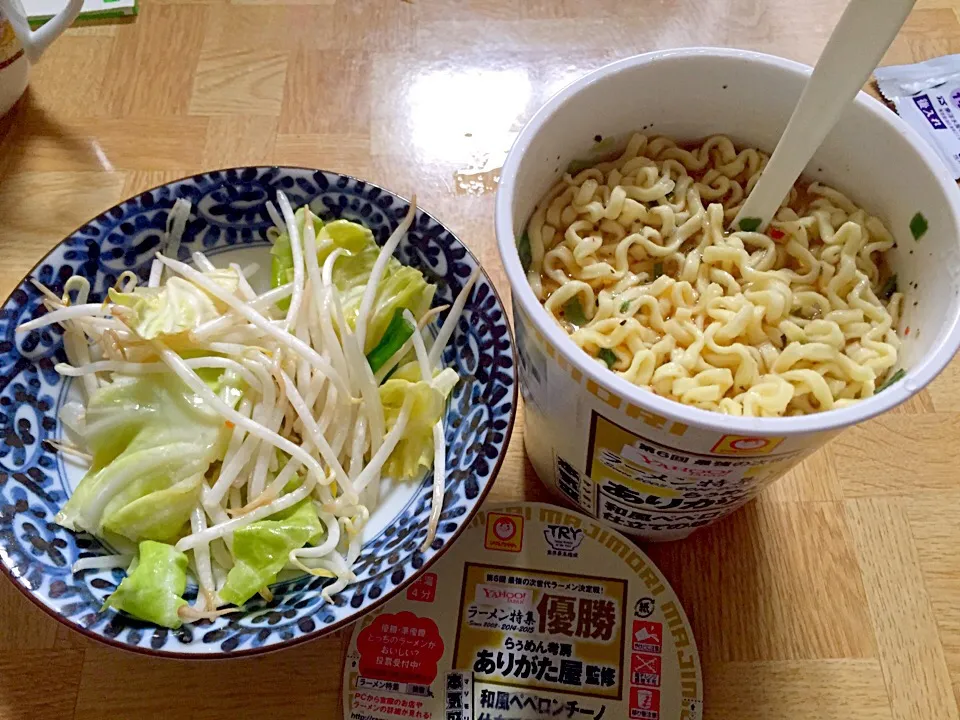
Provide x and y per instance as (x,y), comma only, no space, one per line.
(916,378)
(370,606)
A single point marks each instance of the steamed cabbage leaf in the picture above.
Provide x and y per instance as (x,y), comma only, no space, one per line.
(401,287)
(261,549)
(152,440)
(153,589)
(175,307)
(414,453)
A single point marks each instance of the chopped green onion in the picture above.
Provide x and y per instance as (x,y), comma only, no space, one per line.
(898,375)
(918,226)
(396,334)
(657,270)
(750,224)
(625,306)
(523,250)
(573,312)
(608,356)
(603,145)
(576,166)
(889,288)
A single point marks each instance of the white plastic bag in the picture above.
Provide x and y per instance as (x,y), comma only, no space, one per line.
(927,97)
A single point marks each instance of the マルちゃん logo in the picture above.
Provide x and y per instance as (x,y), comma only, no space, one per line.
(504,532)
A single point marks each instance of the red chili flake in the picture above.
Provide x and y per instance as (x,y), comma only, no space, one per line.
(906,332)
(777,234)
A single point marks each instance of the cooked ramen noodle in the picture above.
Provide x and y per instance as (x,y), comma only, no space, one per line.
(636,261)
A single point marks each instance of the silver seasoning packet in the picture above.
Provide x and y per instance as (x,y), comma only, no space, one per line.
(927,97)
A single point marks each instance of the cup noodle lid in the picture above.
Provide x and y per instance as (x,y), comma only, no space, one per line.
(536,612)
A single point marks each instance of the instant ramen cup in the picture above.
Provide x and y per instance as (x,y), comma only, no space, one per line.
(650,466)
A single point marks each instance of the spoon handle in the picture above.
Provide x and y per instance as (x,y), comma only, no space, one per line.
(856,45)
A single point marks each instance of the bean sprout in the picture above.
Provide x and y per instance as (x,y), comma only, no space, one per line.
(439,442)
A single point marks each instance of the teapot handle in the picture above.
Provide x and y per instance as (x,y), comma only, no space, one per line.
(36,41)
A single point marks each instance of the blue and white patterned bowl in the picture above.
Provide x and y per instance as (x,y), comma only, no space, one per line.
(229,216)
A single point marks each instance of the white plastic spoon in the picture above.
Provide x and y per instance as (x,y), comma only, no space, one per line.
(856,45)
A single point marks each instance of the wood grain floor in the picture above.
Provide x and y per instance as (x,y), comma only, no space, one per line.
(835,596)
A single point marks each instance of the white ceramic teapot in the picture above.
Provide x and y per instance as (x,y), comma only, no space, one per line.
(20,46)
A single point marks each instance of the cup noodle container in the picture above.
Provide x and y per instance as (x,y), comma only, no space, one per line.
(652,467)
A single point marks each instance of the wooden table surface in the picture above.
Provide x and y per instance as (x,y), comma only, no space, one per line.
(835,595)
